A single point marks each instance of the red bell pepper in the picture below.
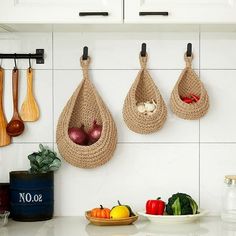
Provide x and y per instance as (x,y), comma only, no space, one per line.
(155,207)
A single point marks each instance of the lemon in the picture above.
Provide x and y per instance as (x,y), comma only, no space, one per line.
(119,212)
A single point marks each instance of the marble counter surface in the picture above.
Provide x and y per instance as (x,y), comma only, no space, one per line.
(78,226)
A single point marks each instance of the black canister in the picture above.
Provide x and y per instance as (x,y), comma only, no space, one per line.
(4,197)
(31,196)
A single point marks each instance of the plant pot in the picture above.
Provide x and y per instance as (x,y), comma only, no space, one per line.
(4,197)
(31,196)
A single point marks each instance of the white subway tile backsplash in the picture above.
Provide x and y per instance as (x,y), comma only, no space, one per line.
(219,124)
(151,165)
(113,86)
(41,130)
(216,161)
(218,50)
(137,172)
(15,157)
(26,43)
(121,50)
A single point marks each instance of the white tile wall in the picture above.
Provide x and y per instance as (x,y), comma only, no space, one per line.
(120,50)
(40,131)
(138,172)
(219,125)
(157,164)
(217,160)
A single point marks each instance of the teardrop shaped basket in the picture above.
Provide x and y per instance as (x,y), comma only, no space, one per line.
(84,107)
(189,83)
(144,89)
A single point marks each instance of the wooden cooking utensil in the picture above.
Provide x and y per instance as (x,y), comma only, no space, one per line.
(29,109)
(5,139)
(16,126)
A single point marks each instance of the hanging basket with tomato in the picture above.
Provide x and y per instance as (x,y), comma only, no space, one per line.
(189,99)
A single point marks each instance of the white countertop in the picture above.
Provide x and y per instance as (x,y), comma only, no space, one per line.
(78,226)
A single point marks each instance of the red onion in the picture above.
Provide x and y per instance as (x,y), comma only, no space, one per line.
(95,132)
(78,135)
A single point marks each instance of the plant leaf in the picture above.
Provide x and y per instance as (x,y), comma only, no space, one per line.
(31,157)
(41,147)
(39,159)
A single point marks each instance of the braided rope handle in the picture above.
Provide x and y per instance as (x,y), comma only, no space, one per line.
(85,67)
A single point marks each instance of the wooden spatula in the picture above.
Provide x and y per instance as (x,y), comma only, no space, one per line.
(29,109)
(5,139)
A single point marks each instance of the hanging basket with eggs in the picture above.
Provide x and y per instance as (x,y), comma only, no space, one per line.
(144,110)
(189,99)
(86,132)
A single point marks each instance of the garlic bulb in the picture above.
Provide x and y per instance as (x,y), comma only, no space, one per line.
(141,107)
(150,107)
(147,108)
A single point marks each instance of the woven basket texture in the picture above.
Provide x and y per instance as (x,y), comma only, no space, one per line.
(189,83)
(142,90)
(85,106)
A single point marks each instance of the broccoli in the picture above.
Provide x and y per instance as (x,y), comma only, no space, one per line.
(181,204)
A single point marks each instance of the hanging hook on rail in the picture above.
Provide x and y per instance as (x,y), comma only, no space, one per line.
(189,50)
(85,53)
(143,50)
(15,67)
(29,61)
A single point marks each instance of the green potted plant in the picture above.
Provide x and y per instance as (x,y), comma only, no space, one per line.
(32,192)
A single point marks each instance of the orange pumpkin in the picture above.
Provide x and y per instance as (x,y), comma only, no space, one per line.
(100,212)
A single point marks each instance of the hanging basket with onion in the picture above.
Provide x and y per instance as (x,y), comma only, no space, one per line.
(144,110)
(189,99)
(86,132)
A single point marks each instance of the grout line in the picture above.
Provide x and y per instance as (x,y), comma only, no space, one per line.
(227,69)
(108,69)
(123,11)
(218,142)
(78,69)
(197,142)
(118,142)
(53,129)
(157,142)
(30,142)
(199,127)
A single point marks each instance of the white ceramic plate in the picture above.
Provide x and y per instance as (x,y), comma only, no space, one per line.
(170,219)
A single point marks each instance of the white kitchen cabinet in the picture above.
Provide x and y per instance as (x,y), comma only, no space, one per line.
(61,11)
(180,11)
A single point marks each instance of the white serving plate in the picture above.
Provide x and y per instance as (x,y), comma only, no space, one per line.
(171,219)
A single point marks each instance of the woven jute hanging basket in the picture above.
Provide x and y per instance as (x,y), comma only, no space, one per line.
(84,107)
(189,83)
(144,89)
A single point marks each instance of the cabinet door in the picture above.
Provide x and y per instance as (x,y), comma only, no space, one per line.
(61,11)
(180,11)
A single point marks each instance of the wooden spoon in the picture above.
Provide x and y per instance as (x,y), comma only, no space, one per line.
(16,126)
(29,109)
(5,139)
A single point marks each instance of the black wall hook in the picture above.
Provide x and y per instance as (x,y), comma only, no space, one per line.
(85,53)
(143,50)
(189,50)
(30,60)
(15,61)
